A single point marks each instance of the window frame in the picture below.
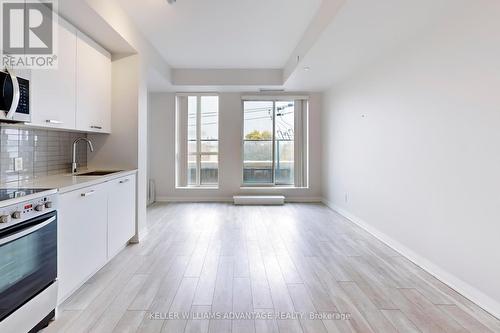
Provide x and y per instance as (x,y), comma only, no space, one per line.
(243,184)
(198,153)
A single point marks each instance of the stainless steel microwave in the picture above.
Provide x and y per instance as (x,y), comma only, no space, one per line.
(14,98)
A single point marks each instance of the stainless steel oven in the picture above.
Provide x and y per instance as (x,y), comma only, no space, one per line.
(14,97)
(28,261)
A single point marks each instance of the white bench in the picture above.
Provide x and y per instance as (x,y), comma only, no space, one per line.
(259,199)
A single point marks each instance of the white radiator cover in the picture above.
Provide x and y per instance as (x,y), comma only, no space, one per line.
(259,199)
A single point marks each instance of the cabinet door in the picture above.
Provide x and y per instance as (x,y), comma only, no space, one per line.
(93,87)
(53,91)
(82,229)
(121,213)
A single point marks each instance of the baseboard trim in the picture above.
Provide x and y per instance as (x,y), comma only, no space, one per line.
(138,237)
(194,199)
(230,199)
(465,289)
(303,199)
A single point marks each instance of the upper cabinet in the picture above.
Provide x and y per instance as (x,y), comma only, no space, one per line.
(53,92)
(76,95)
(93,87)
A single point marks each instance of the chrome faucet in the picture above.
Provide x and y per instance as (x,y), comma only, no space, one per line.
(74,165)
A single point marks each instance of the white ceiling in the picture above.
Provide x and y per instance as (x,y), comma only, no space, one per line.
(362,32)
(84,18)
(264,34)
(223,33)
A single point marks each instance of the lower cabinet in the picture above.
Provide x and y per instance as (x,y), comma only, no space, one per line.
(94,224)
(121,213)
(82,230)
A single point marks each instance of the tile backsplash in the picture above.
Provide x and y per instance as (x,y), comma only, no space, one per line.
(44,152)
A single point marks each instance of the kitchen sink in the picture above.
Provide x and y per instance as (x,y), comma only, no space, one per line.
(98,173)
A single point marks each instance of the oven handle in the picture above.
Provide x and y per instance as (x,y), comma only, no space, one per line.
(16,96)
(26,231)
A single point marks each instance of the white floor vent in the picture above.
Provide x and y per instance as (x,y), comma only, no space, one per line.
(259,199)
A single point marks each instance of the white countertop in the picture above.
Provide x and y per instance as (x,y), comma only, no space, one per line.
(68,182)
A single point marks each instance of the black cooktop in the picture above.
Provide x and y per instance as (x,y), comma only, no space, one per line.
(11,193)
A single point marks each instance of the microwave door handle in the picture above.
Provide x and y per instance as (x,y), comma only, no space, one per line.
(16,95)
(25,232)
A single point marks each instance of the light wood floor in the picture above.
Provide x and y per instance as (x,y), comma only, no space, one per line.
(298,258)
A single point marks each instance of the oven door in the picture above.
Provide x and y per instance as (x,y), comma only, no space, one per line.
(28,261)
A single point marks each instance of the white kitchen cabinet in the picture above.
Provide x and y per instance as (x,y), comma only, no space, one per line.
(93,86)
(53,91)
(94,224)
(121,213)
(82,236)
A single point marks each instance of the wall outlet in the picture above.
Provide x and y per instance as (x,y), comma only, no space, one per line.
(346,197)
(18,164)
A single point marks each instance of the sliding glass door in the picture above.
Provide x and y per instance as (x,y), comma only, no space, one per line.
(268,142)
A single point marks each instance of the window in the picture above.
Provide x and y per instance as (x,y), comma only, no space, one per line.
(197,120)
(272,150)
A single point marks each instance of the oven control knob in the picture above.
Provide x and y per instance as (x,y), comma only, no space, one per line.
(39,208)
(5,219)
(48,204)
(16,215)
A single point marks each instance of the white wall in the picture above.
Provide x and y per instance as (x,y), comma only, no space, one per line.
(162,150)
(227,77)
(119,150)
(149,141)
(142,148)
(126,147)
(413,143)
(114,15)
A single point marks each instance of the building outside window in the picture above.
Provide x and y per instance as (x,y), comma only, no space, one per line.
(197,148)
(275,142)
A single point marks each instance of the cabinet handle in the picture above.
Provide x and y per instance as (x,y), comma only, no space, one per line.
(51,121)
(86,194)
(124,181)
(96,127)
